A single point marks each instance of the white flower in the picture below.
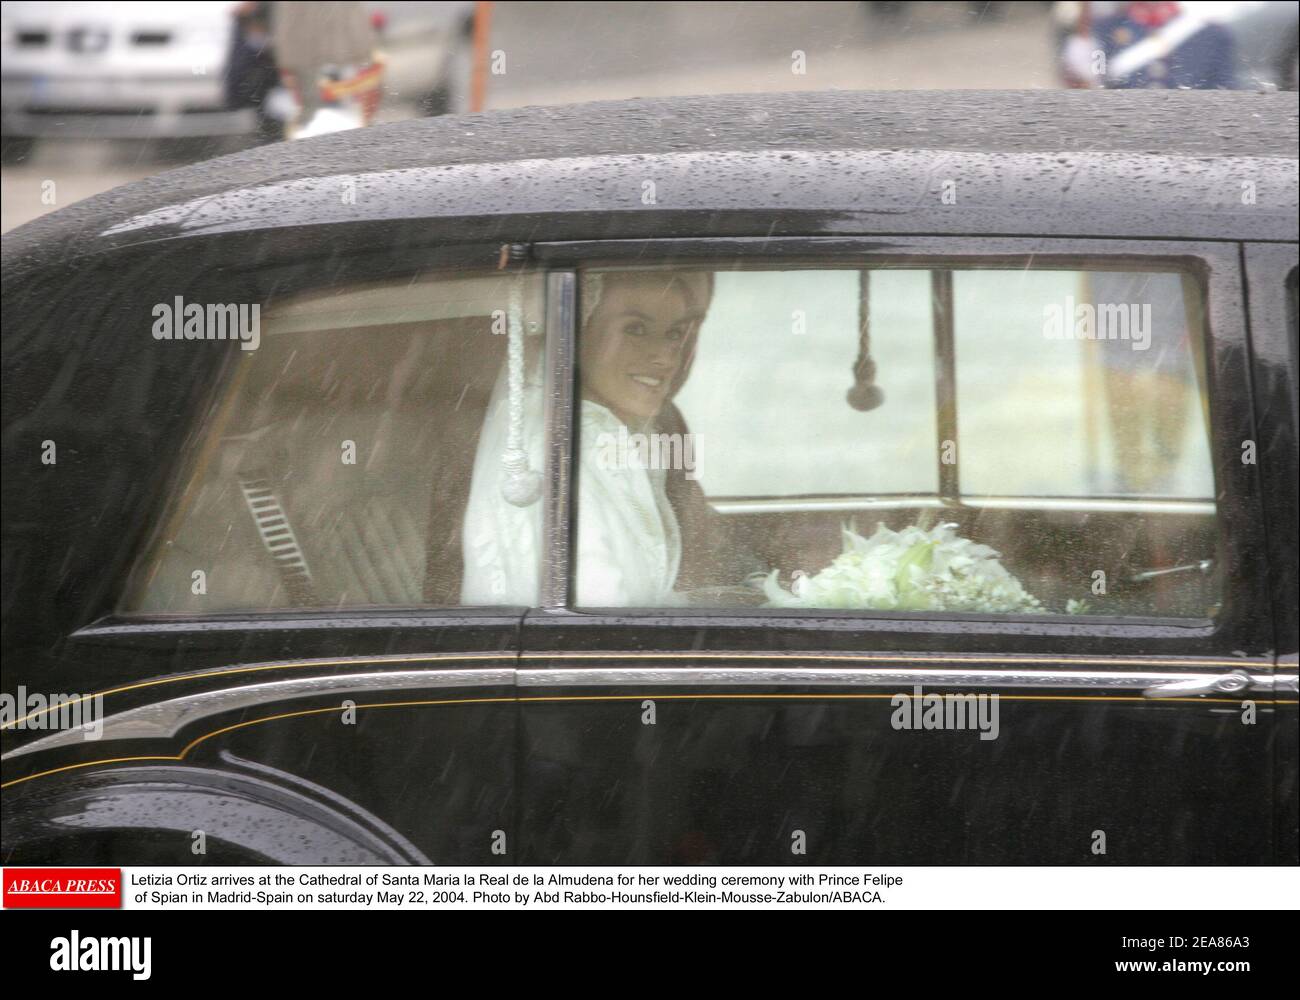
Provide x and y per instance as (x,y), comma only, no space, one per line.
(908,570)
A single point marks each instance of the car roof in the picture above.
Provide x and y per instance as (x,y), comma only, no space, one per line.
(1153,164)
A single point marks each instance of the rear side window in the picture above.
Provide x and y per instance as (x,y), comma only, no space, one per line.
(1080,416)
(335,468)
(1015,441)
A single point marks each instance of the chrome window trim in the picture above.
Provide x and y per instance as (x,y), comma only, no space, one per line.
(779,505)
(553,574)
(164,719)
(1107,505)
(1088,505)
(889,677)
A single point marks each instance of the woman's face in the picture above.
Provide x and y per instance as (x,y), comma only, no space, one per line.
(632,348)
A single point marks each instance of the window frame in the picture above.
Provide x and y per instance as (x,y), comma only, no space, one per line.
(294,275)
(1271,274)
(1220,271)
(1239,552)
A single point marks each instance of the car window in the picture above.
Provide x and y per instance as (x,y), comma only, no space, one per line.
(1007,440)
(779,348)
(1074,417)
(335,467)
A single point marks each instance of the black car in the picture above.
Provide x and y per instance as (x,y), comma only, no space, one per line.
(821,478)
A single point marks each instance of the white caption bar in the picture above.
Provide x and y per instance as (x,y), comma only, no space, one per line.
(381,888)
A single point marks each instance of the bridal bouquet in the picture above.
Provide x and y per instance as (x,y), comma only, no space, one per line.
(916,569)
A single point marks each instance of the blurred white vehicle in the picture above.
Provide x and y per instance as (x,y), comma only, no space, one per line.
(158,70)
(117,70)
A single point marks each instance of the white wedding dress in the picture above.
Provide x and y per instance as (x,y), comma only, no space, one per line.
(628,542)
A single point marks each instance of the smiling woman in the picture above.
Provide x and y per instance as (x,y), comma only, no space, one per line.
(637,341)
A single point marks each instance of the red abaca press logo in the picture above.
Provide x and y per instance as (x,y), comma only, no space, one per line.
(62,887)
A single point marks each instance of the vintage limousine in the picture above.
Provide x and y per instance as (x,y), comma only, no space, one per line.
(971,539)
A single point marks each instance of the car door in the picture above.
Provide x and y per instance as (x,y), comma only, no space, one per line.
(1271,278)
(1113,704)
(232,546)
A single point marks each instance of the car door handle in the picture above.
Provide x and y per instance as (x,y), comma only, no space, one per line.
(1229,683)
